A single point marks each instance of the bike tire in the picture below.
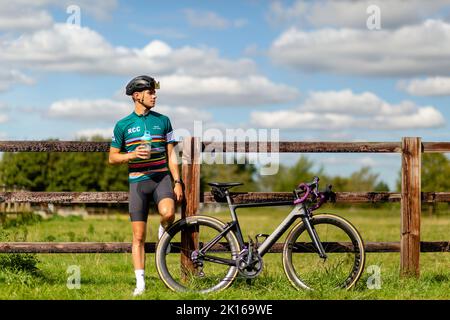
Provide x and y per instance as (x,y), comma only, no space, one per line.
(216,277)
(302,268)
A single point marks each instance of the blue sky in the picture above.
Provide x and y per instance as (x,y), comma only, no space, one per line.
(313,70)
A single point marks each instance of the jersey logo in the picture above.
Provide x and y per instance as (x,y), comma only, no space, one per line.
(156,127)
(134,130)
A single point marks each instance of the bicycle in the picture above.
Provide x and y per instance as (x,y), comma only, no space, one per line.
(320,251)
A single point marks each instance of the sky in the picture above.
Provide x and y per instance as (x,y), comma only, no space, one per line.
(313,70)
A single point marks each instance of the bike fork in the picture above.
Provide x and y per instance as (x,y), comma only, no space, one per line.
(314,237)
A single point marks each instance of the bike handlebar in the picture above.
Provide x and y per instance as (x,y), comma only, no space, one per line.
(313,187)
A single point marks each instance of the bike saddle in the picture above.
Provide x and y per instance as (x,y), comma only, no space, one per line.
(219,188)
(224,185)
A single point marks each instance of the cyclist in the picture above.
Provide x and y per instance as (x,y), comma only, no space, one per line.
(149,176)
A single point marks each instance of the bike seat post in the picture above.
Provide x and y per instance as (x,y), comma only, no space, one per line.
(227,195)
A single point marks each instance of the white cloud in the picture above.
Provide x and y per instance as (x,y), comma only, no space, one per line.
(252,90)
(210,19)
(435,86)
(88,133)
(189,76)
(32,14)
(100,110)
(411,50)
(110,111)
(66,48)
(346,102)
(19,18)
(338,111)
(353,14)
(12,77)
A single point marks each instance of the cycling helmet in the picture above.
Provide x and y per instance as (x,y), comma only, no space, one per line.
(141,83)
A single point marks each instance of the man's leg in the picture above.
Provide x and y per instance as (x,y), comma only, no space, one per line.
(138,250)
(138,254)
(166,209)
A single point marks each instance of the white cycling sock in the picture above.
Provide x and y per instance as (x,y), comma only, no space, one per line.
(160,231)
(140,278)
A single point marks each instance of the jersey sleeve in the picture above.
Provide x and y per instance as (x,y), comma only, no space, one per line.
(170,137)
(117,140)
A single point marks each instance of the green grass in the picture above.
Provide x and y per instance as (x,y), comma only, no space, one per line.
(111,276)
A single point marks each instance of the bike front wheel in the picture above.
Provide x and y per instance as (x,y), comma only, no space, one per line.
(344,248)
(184,269)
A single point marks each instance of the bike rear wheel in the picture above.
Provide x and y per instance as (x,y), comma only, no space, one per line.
(344,248)
(210,276)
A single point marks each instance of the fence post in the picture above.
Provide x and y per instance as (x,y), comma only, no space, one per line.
(410,206)
(190,171)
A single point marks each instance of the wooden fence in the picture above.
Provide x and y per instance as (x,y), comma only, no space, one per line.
(411,197)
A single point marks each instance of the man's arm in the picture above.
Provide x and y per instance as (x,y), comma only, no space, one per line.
(173,167)
(173,161)
(115,157)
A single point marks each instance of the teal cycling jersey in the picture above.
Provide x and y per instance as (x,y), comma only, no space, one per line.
(152,128)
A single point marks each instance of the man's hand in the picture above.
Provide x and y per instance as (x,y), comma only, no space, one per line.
(140,152)
(178,190)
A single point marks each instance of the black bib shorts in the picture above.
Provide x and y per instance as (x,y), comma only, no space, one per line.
(142,192)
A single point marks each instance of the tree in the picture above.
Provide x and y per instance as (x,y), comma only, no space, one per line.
(59,171)
(25,169)
(288,178)
(236,172)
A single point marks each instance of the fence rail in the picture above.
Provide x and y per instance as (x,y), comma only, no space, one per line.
(284,198)
(119,247)
(411,197)
(282,146)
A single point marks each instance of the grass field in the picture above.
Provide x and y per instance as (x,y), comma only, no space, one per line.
(111,276)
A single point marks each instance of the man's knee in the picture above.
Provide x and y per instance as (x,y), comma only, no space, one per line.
(139,237)
(167,208)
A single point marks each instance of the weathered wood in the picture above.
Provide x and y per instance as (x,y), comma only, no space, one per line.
(287,146)
(190,169)
(69,247)
(410,206)
(206,197)
(440,147)
(284,146)
(65,197)
(125,247)
(350,197)
(53,146)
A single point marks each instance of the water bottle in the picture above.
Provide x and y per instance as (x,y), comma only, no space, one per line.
(146,142)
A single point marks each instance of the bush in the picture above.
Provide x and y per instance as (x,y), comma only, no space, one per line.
(17,267)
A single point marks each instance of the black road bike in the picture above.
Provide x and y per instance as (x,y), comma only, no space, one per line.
(321,251)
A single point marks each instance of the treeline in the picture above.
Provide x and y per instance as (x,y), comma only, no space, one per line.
(90,171)
(62,171)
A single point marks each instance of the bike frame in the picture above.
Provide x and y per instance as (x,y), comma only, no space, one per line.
(299,211)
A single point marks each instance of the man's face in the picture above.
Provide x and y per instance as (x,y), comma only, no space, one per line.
(146,97)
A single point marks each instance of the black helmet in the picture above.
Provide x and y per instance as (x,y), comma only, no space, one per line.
(141,83)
